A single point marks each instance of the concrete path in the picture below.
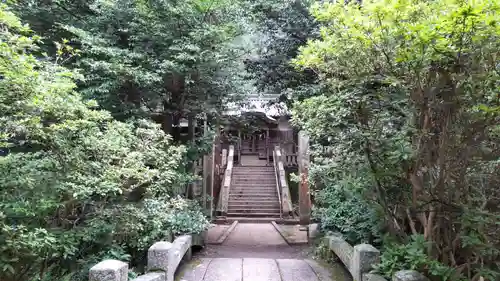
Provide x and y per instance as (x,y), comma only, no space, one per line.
(257,252)
(259,240)
(255,269)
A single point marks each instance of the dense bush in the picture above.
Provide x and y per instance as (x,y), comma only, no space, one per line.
(339,204)
(409,115)
(413,256)
(76,185)
(338,210)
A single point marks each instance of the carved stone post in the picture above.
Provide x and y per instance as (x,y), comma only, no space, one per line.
(109,270)
(267,146)
(304,196)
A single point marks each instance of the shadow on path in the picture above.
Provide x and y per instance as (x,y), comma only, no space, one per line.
(249,240)
(257,252)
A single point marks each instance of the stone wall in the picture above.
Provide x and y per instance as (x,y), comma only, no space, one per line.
(163,259)
(360,259)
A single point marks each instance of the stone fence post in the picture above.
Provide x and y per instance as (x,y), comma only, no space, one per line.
(109,270)
(360,259)
(163,259)
(364,257)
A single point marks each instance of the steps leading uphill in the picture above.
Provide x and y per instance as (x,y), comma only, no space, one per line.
(253,193)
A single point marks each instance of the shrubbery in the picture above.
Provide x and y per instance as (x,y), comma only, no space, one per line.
(77,186)
(340,210)
(413,256)
(409,115)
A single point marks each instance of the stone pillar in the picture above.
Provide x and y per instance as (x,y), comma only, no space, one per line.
(364,256)
(239,146)
(109,270)
(267,146)
(208,167)
(158,256)
(409,275)
(166,256)
(304,196)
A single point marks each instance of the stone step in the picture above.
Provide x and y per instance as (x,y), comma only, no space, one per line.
(254,194)
(256,177)
(235,199)
(253,211)
(267,174)
(254,201)
(254,198)
(253,189)
(253,184)
(253,169)
(229,220)
(273,203)
(265,215)
(265,169)
(255,206)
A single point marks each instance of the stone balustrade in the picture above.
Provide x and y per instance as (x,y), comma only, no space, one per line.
(222,205)
(360,259)
(163,260)
(284,192)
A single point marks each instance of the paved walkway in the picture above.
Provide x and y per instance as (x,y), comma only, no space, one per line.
(256,252)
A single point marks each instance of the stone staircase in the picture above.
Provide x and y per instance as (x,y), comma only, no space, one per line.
(253,193)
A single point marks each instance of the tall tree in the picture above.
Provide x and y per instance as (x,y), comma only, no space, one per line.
(281,27)
(156,59)
(411,115)
(76,185)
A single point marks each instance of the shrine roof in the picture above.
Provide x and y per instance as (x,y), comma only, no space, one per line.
(259,106)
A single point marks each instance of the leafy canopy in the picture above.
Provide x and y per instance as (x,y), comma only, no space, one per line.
(76,184)
(408,119)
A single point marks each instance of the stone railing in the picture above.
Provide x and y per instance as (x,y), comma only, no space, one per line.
(163,260)
(224,158)
(360,259)
(286,200)
(222,205)
(277,178)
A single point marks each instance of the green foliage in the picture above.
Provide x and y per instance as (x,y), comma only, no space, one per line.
(76,185)
(149,58)
(186,218)
(338,210)
(406,120)
(281,28)
(413,256)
